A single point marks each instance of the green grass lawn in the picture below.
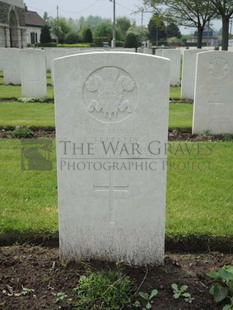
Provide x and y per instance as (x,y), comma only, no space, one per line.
(180,116)
(14,91)
(42,114)
(175,92)
(199,201)
(27,114)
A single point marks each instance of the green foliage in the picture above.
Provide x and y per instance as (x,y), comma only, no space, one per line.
(75,45)
(60,27)
(207,133)
(99,41)
(71,38)
(227,137)
(122,25)
(26,291)
(184,12)
(45,16)
(222,290)
(22,132)
(103,30)
(45,36)
(87,35)
(131,40)
(50,44)
(141,33)
(174,41)
(61,296)
(120,43)
(173,30)
(181,292)
(148,298)
(157,29)
(103,291)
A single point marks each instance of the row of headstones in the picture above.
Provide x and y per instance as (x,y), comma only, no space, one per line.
(27,67)
(207,78)
(111,130)
(211,91)
(20,66)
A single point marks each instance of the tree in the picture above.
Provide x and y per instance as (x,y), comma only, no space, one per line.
(60,27)
(71,37)
(224,9)
(131,40)
(103,30)
(173,30)
(122,25)
(141,33)
(189,13)
(45,36)
(46,16)
(87,35)
(157,29)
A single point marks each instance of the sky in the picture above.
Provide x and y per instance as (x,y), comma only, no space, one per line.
(103,8)
(78,8)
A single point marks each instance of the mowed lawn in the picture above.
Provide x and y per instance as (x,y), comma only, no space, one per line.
(199,191)
(42,114)
(27,114)
(14,91)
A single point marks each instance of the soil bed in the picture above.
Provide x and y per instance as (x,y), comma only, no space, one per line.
(39,268)
(175,135)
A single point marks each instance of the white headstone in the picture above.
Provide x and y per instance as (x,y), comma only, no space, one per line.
(53,53)
(112,126)
(11,66)
(188,73)
(147,50)
(159,52)
(175,57)
(33,73)
(213,108)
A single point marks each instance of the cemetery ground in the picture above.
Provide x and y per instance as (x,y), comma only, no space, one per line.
(199,221)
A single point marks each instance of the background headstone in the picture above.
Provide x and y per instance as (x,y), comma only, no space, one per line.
(213,108)
(175,57)
(147,50)
(188,73)
(11,66)
(159,52)
(112,126)
(33,73)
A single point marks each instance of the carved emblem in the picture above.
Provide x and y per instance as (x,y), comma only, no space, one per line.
(110,94)
(218,67)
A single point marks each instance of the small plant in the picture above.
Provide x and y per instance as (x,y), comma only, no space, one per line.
(207,133)
(148,298)
(61,296)
(22,132)
(26,291)
(181,292)
(103,291)
(227,137)
(222,290)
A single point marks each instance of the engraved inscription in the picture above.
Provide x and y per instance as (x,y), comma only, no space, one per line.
(111,189)
(110,94)
(218,67)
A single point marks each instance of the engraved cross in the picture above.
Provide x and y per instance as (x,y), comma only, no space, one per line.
(216,104)
(111,189)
